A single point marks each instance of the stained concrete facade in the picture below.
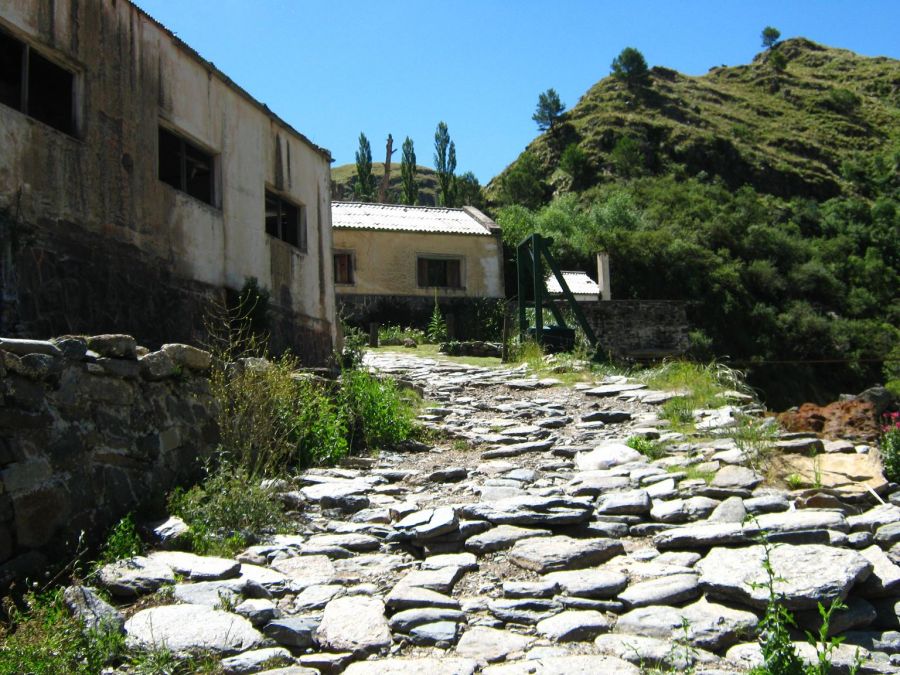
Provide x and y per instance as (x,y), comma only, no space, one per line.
(94,241)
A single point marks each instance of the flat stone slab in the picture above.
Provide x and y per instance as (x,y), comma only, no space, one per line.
(489,644)
(428,666)
(186,628)
(711,626)
(354,623)
(626,502)
(516,449)
(701,536)
(606,456)
(429,523)
(306,570)
(667,590)
(566,665)
(650,652)
(551,554)
(531,510)
(749,655)
(252,661)
(502,537)
(441,580)
(589,583)
(808,574)
(196,567)
(408,597)
(605,390)
(573,626)
(135,576)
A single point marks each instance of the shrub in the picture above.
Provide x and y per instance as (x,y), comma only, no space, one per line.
(375,412)
(890,446)
(224,508)
(679,410)
(45,639)
(396,335)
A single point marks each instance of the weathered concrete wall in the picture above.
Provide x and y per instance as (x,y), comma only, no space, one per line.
(639,328)
(131,76)
(89,436)
(385,262)
(473,318)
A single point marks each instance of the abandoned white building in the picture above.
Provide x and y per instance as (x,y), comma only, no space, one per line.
(392,262)
(138,182)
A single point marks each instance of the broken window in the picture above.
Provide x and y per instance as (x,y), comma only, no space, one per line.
(286,221)
(343,268)
(35,85)
(440,272)
(185,166)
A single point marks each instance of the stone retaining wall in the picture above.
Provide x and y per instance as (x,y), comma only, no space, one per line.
(639,328)
(90,431)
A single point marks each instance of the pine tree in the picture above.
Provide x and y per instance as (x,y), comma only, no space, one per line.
(408,173)
(549,108)
(631,68)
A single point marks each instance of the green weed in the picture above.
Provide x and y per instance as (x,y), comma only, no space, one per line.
(755,439)
(679,411)
(123,542)
(223,508)
(648,448)
(44,639)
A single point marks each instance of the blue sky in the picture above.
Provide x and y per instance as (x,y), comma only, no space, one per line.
(335,68)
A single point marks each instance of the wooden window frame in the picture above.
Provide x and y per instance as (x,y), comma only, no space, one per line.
(351,268)
(424,274)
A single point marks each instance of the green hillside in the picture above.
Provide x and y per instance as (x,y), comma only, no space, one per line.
(786,133)
(768,197)
(344,176)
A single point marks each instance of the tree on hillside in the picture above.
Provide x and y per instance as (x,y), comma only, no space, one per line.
(444,163)
(410,189)
(364,189)
(468,191)
(770,36)
(630,67)
(522,184)
(574,161)
(627,157)
(549,108)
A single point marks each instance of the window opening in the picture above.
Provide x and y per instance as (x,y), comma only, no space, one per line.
(286,221)
(440,272)
(343,268)
(185,166)
(35,85)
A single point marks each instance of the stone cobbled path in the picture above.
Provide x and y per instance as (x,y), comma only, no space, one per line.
(528,539)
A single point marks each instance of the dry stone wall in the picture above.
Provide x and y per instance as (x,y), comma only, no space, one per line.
(639,328)
(92,428)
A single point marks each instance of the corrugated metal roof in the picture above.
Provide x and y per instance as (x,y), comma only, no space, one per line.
(400,218)
(578,282)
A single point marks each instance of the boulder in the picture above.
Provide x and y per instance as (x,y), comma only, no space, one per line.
(550,554)
(190,628)
(354,623)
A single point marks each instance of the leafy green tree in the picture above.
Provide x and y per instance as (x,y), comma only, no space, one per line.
(630,67)
(410,188)
(364,189)
(574,161)
(468,191)
(444,163)
(522,183)
(770,36)
(549,108)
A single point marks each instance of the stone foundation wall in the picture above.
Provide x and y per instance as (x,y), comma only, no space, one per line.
(90,431)
(472,318)
(639,328)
